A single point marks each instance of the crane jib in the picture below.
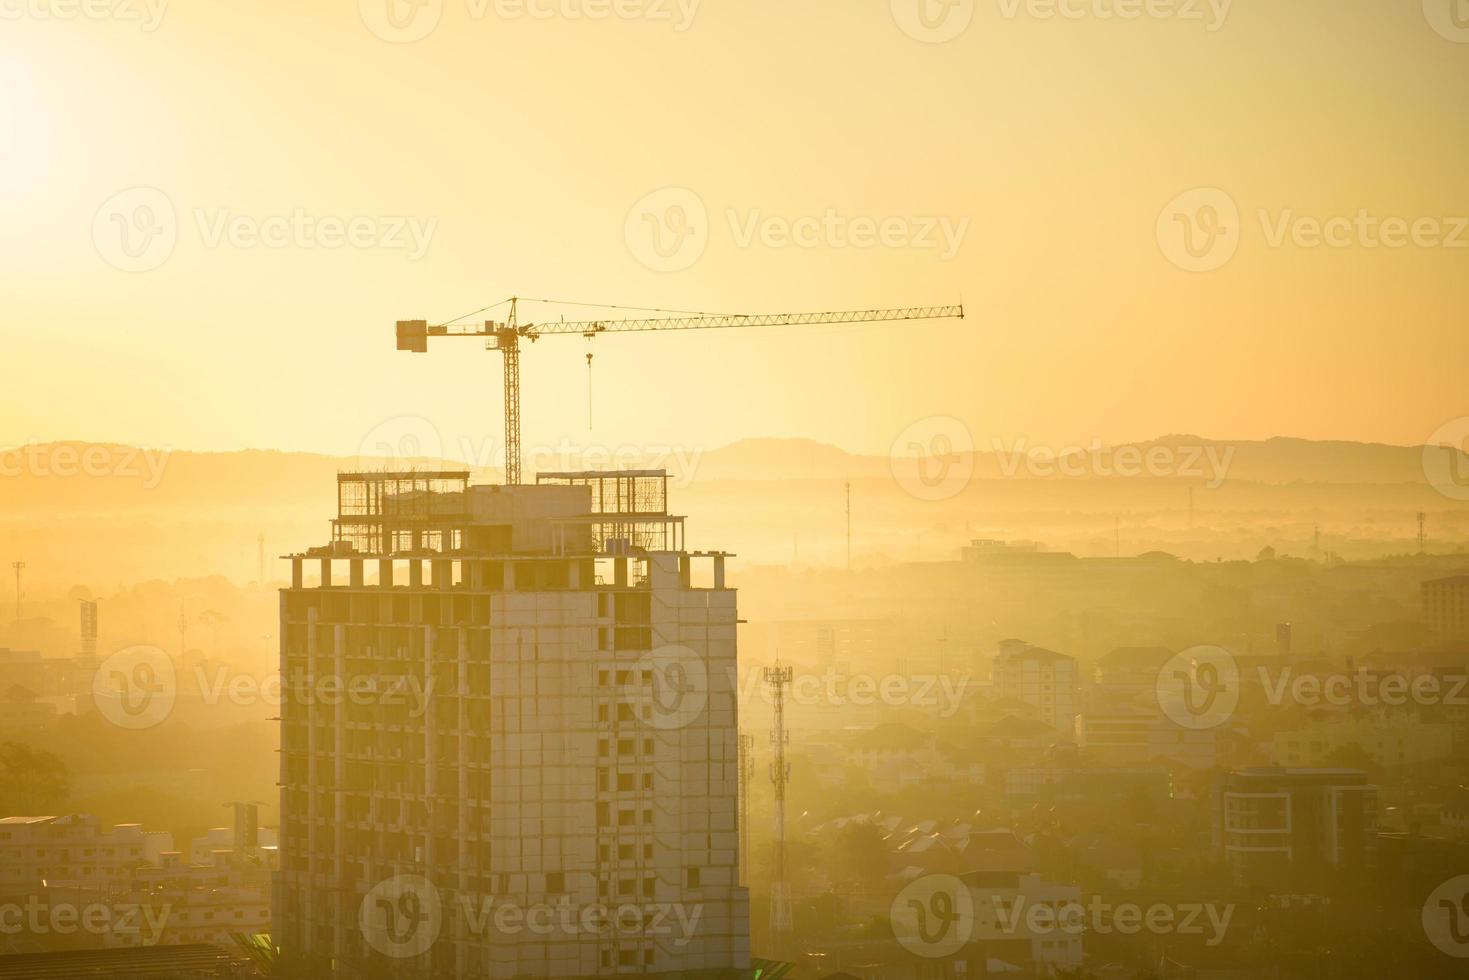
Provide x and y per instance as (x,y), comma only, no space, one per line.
(413,336)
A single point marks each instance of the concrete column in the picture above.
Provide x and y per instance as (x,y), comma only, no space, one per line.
(339,776)
(296,578)
(313,780)
(326,573)
(430,752)
(719,571)
(354,572)
(415,573)
(465,848)
(385,573)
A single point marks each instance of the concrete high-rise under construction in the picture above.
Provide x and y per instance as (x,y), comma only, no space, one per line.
(509,735)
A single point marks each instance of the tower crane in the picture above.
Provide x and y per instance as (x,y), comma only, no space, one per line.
(506,335)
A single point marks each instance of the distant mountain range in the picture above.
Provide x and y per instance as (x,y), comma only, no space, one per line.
(75,475)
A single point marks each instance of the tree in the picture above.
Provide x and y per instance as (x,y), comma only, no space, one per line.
(862,854)
(33,782)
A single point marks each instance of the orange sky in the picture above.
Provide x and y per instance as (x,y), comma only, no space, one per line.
(517,139)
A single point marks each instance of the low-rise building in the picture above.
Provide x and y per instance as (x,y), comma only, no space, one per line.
(74,848)
(1398,742)
(1277,826)
(1131,738)
(1043,678)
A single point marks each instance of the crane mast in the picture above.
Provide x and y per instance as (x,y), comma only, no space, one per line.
(505,336)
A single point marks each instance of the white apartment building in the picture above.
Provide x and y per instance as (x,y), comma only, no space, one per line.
(1042,678)
(74,848)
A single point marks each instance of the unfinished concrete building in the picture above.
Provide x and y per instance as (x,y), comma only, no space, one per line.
(513,697)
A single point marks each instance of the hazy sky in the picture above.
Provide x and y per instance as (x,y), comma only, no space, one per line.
(1025,165)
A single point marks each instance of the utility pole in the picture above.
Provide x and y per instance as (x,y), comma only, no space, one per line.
(260,559)
(777,678)
(1422,533)
(18,566)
